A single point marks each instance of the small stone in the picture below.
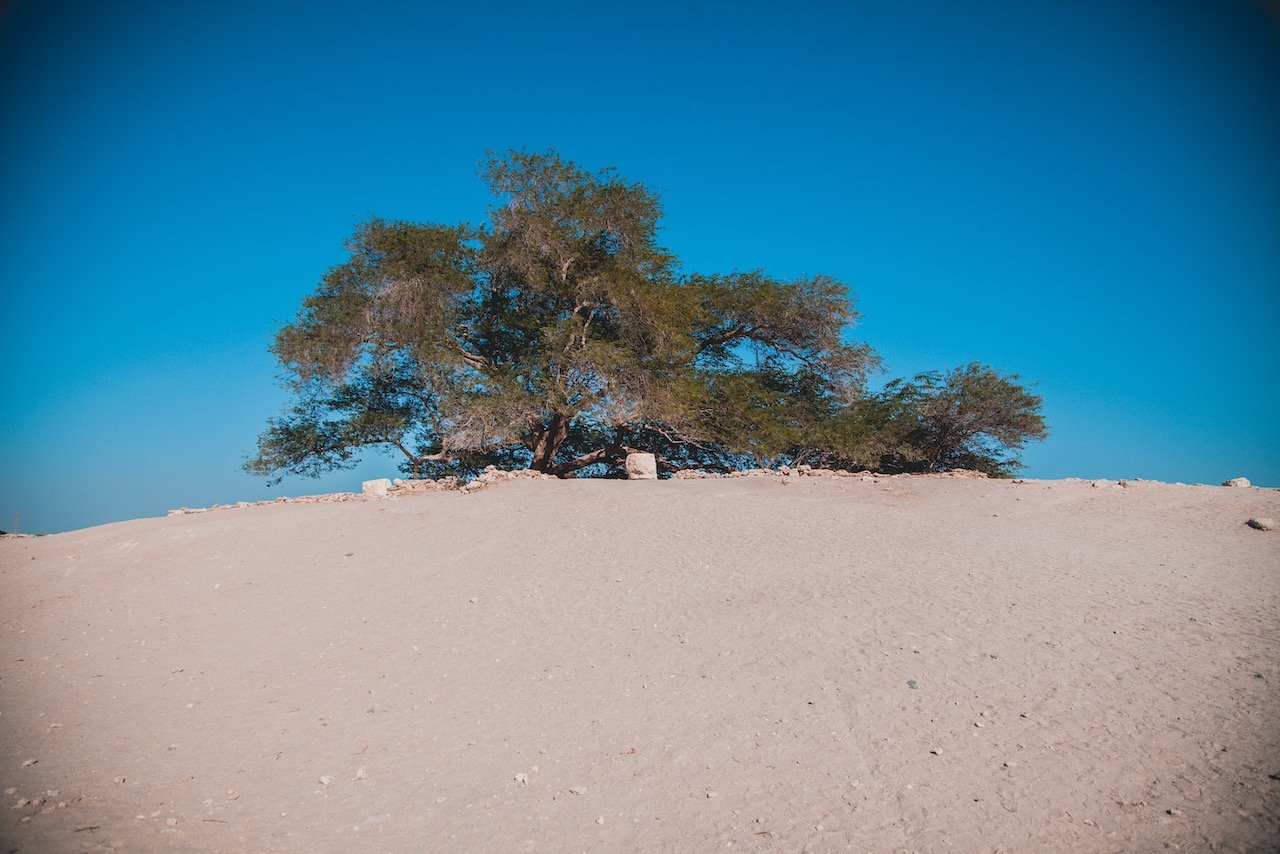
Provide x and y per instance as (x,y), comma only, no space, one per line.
(600,820)
(577,790)
(911,683)
(713,794)
(1174,812)
(522,779)
(1262,523)
(378,488)
(117,780)
(362,773)
(11,790)
(1237,481)
(21,802)
(474,599)
(325,780)
(29,762)
(172,822)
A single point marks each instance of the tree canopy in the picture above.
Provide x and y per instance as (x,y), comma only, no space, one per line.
(560,336)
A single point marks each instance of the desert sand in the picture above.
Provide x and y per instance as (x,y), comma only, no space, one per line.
(801,663)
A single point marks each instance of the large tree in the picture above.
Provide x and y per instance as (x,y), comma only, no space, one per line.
(558,335)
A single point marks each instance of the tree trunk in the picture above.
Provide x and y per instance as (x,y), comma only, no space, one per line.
(546,442)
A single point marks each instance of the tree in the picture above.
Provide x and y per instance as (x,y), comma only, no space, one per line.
(971,417)
(558,335)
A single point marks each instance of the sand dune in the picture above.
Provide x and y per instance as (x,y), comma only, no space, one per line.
(919,664)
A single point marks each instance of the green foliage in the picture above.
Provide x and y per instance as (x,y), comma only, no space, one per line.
(971,417)
(558,335)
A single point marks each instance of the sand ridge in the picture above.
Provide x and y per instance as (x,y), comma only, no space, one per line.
(826,664)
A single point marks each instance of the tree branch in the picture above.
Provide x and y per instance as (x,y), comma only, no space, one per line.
(596,456)
(416,459)
(475,361)
(738,330)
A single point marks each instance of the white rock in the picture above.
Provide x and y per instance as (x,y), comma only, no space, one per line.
(376,488)
(522,779)
(1263,523)
(642,466)
(1237,481)
(325,780)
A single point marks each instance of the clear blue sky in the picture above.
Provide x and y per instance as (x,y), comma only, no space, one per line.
(1083,193)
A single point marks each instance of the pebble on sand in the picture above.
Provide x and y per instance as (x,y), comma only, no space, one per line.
(1264,523)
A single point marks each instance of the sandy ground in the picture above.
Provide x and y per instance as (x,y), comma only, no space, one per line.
(914,664)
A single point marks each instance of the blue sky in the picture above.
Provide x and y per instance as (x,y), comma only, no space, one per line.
(1086,194)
